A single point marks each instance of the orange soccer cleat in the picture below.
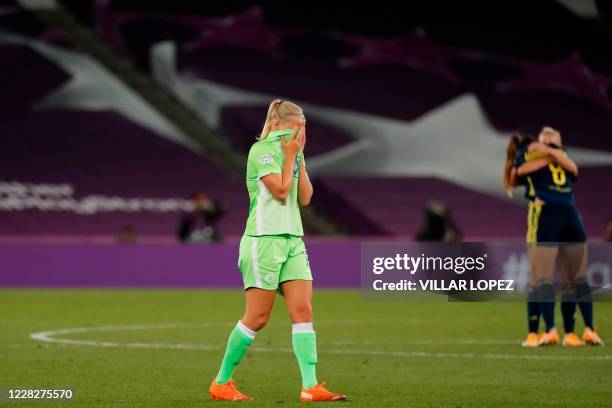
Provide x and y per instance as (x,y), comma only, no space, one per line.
(531,340)
(549,338)
(590,337)
(571,340)
(226,392)
(320,393)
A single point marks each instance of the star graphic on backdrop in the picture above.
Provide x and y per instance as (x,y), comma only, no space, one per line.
(92,88)
(414,50)
(570,75)
(427,147)
(247,28)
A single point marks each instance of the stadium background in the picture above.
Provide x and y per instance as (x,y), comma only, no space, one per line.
(115,113)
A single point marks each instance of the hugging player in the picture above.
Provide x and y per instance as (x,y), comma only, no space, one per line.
(555,232)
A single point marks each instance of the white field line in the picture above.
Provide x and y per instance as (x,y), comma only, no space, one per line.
(426,342)
(49,336)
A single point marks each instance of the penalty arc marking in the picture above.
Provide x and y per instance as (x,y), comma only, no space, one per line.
(50,337)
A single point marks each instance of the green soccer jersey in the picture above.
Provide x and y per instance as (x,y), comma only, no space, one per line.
(267,215)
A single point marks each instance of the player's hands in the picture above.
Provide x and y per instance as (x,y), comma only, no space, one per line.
(295,144)
(302,138)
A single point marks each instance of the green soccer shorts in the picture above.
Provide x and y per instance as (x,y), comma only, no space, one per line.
(267,261)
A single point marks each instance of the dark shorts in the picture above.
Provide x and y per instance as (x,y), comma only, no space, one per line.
(551,223)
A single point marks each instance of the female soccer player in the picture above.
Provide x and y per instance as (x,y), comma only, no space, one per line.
(553,219)
(272,254)
(510,180)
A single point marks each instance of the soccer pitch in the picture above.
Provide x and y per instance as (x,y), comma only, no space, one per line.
(123,348)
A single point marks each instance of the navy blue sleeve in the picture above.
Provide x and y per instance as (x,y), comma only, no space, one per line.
(520,157)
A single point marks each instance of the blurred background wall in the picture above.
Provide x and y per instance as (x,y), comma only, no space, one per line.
(129,122)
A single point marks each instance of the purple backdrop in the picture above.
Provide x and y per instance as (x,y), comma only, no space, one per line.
(333,265)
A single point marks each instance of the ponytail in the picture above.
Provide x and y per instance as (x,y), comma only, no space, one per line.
(509,179)
(266,128)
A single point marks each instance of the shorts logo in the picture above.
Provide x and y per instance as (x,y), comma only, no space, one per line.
(266,159)
(269,278)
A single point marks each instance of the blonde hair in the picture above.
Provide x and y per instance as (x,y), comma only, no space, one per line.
(278,110)
(551,131)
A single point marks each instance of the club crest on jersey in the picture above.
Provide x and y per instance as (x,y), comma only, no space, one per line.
(266,159)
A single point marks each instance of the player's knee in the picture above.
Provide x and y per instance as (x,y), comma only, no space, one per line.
(302,313)
(256,321)
(261,320)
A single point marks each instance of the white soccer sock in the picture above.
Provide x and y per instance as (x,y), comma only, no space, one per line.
(247,332)
(302,328)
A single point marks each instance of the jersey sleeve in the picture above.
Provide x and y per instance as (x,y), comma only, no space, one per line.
(264,160)
(519,159)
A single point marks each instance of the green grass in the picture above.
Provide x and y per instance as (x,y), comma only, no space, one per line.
(366,350)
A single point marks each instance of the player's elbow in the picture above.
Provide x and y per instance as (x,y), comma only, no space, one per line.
(574,170)
(281,194)
(305,196)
